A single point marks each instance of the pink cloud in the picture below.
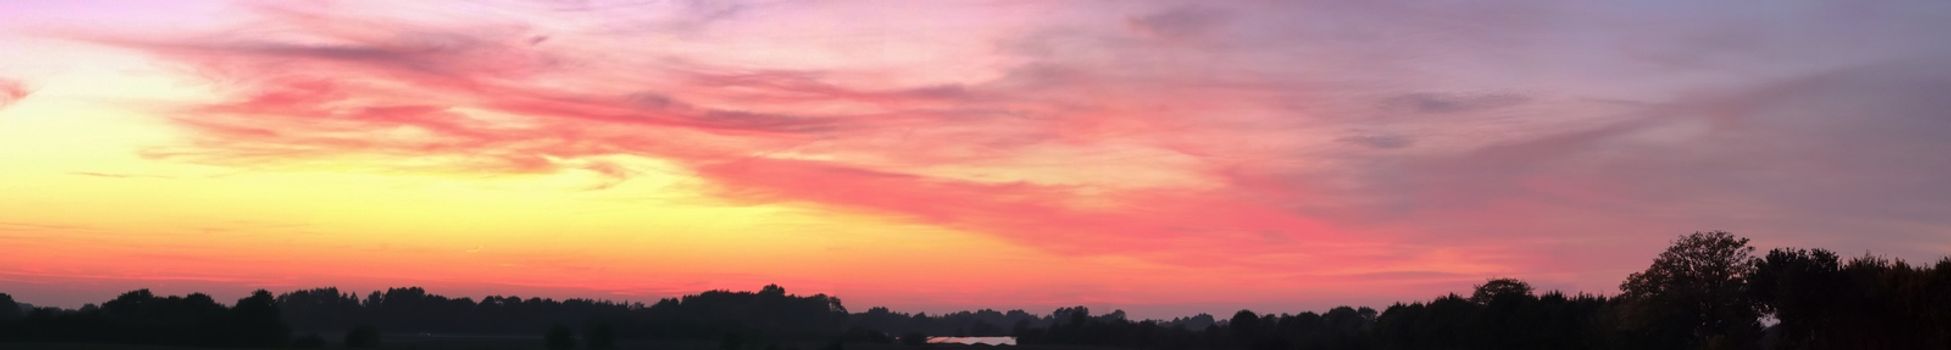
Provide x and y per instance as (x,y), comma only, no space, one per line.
(12,91)
(411,96)
(1400,144)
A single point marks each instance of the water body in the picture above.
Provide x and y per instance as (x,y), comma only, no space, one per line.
(973,340)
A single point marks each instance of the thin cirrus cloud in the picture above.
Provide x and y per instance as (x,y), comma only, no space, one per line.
(1332,142)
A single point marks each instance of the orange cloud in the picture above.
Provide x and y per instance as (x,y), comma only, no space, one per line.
(1321,146)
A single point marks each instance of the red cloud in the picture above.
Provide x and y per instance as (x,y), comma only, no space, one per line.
(1406,142)
(12,91)
(498,102)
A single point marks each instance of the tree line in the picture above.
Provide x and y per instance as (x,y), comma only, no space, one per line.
(139,317)
(1707,291)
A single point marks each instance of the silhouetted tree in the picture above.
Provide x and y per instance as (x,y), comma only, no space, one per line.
(320,309)
(257,321)
(1500,288)
(139,317)
(1245,326)
(1693,296)
(1868,303)
(9,309)
(1797,286)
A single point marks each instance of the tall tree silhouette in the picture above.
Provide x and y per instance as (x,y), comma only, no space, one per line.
(1693,296)
(1868,303)
(257,321)
(9,309)
(1797,286)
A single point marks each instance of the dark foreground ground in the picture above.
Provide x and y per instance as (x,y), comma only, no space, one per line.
(535,343)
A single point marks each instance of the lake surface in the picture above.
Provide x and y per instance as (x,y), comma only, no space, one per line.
(973,340)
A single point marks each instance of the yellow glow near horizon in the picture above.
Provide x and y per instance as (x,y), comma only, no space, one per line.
(943,155)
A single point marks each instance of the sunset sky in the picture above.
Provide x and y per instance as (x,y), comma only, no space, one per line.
(1165,158)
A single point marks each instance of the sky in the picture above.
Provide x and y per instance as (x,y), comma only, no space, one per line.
(1165,158)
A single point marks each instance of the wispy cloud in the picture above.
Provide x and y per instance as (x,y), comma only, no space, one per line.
(1301,138)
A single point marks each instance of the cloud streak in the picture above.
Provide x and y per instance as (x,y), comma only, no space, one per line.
(1319,141)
